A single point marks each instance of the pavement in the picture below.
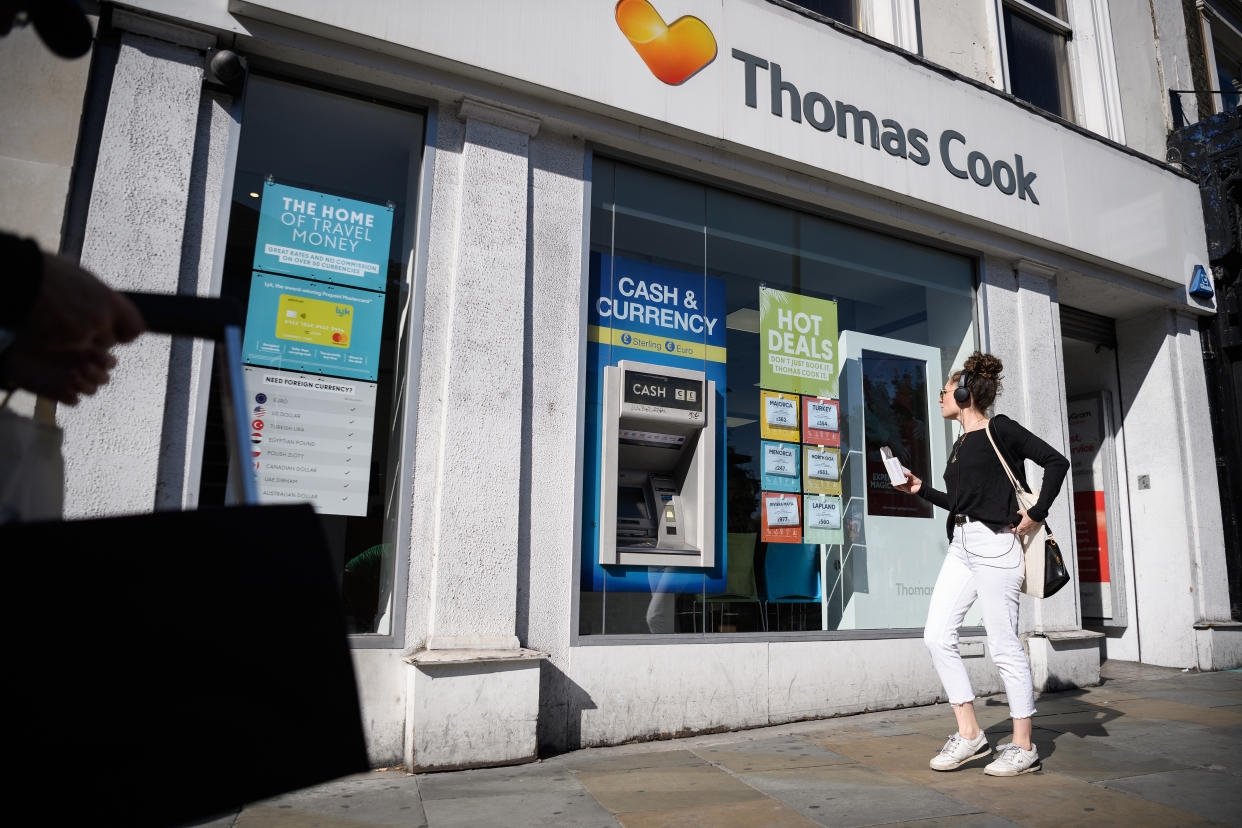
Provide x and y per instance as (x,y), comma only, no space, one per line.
(1149,746)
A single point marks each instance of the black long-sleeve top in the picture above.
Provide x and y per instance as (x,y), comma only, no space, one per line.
(978,486)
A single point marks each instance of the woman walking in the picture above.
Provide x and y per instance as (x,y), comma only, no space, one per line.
(985,561)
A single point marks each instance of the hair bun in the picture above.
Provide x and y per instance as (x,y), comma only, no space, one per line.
(984,365)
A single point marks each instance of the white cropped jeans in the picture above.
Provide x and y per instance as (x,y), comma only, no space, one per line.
(988,566)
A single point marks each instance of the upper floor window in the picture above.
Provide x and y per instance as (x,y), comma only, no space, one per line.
(1229,74)
(1035,37)
(843,11)
(1222,47)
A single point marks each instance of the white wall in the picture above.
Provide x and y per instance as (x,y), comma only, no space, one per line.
(1179,562)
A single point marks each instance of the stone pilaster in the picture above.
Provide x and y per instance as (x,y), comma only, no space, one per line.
(133,240)
(476,355)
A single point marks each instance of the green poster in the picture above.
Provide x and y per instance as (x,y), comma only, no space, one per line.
(799,343)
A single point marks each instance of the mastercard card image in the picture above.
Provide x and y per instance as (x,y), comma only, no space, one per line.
(314,321)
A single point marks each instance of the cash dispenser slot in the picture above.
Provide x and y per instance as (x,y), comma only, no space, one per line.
(658,498)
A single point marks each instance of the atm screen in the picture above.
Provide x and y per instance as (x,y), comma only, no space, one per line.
(632,503)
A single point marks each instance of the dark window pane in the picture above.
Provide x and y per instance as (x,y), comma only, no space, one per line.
(843,11)
(1230,74)
(1036,64)
(1050,6)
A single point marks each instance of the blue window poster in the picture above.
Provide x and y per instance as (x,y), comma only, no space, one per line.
(781,466)
(313,327)
(660,315)
(324,237)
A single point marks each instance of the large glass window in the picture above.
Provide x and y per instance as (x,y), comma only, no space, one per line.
(319,241)
(887,317)
(1036,32)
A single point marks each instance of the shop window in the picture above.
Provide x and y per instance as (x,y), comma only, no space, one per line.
(816,344)
(1035,38)
(319,239)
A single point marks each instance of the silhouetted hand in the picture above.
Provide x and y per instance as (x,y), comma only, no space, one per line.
(74,311)
(63,376)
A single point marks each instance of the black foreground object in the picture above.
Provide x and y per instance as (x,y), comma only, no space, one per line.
(176,666)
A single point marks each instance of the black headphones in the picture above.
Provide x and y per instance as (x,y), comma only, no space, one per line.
(961,394)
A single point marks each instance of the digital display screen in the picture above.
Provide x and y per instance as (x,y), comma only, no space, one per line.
(632,503)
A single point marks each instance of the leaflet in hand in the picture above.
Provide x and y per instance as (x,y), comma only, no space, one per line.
(896,472)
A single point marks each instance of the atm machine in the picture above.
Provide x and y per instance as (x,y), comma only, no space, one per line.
(658,499)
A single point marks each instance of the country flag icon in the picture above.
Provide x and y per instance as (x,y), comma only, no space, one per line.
(260,411)
(256,438)
(257,425)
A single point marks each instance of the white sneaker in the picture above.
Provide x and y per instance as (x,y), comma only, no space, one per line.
(1012,760)
(959,750)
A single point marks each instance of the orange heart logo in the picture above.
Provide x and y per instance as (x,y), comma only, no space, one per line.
(674,53)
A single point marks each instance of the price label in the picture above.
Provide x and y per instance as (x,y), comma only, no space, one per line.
(782,412)
(823,416)
(822,465)
(779,459)
(823,513)
(782,511)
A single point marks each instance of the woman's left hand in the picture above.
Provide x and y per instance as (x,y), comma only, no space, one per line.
(1026,526)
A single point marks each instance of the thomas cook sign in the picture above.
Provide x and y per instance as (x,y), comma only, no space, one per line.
(677,52)
(846,120)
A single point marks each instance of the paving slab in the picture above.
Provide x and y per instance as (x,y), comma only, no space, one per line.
(822,736)
(285,816)
(1052,800)
(377,798)
(888,727)
(765,812)
(1175,711)
(1201,698)
(530,810)
(1226,680)
(854,795)
(770,754)
(544,777)
(960,821)
(1210,794)
(1186,744)
(660,789)
(605,760)
(1092,760)
(906,756)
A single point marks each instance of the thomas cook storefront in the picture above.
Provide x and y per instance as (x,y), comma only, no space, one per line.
(586,341)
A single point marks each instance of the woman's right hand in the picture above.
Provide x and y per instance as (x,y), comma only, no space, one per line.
(911,486)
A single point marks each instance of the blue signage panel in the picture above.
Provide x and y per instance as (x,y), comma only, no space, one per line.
(659,315)
(313,327)
(325,237)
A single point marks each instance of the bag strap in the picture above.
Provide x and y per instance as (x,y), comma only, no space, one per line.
(1017,487)
(45,411)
